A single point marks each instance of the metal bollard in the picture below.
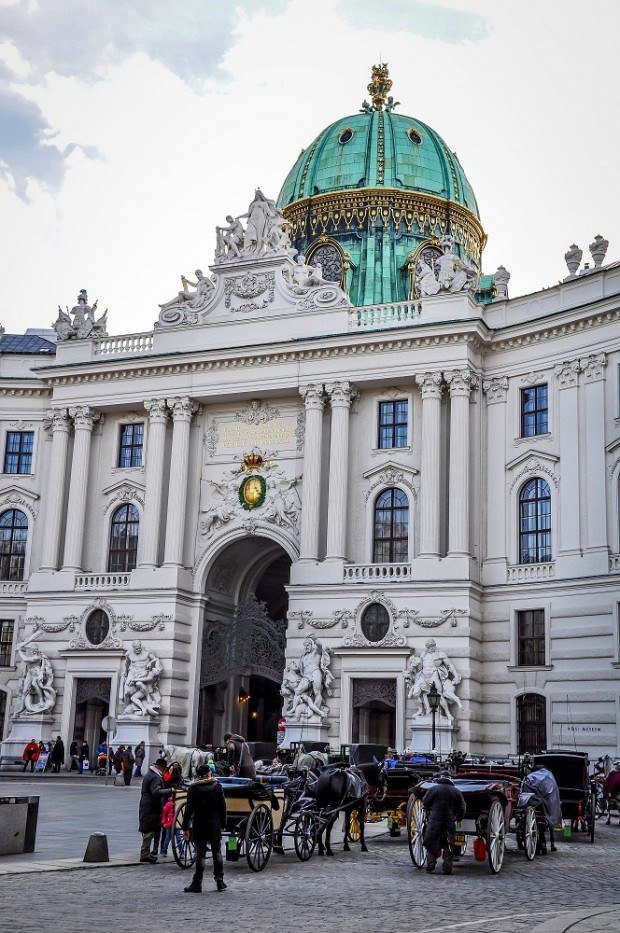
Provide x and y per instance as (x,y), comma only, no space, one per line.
(97,848)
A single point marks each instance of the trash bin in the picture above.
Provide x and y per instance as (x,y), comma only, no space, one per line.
(18,824)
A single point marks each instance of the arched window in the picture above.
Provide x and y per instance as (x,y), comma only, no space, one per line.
(124,539)
(391,527)
(531,723)
(13,538)
(535,522)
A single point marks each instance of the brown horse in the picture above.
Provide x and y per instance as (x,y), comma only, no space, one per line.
(346,790)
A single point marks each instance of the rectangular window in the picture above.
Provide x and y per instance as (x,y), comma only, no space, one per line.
(6,644)
(131,445)
(393,424)
(2,712)
(534,411)
(531,638)
(18,452)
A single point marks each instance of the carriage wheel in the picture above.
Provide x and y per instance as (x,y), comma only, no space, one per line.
(355,832)
(259,837)
(592,816)
(496,836)
(530,833)
(184,852)
(305,836)
(415,831)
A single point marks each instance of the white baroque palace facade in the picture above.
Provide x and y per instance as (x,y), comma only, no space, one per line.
(278,500)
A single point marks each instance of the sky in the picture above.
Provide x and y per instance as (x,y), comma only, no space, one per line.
(129,130)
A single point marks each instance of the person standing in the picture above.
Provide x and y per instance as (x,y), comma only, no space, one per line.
(74,758)
(167,821)
(239,757)
(152,798)
(84,756)
(205,810)
(140,753)
(128,760)
(110,759)
(58,755)
(445,806)
(30,754)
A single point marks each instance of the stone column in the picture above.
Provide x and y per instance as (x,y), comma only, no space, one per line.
(567,375)
(341,394)
(158,416)
(461,382)
(430,384)
(84,419)
(314,401)
(183,410)
(55,487)
(593,369)
(496,391)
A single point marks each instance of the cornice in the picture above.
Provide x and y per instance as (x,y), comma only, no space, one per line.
(10,385)
(545,328)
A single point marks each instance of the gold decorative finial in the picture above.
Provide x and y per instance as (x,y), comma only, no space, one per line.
(380,85)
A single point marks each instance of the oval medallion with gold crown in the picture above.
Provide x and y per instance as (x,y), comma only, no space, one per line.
(253,487)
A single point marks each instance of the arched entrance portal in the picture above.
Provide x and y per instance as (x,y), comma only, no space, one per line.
(244,642)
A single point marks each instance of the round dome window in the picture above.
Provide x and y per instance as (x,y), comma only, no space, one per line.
(345,136)
(375,622)
(97,627)
(415,137)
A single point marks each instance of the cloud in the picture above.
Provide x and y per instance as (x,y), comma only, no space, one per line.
(78,38)
(430,20)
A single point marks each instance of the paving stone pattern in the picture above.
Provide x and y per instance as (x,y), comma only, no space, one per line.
(365,893)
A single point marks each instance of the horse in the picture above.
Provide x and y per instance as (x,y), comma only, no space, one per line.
(341,789)
(189,757)
(610,768)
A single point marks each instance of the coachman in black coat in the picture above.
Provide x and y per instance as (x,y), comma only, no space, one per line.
(154,792)
(445,806)
(205,813)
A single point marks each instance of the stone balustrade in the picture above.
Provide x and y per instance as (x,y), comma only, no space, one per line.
(520,573)
(386,315)
(12,589)
(124,345)
(102,581)
(359,573)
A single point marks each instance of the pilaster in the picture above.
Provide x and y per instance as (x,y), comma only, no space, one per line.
(341,394)
(431,388)
(60,424)
(461,382)
(158,417)
(183,410)
(84,419)
(314,402)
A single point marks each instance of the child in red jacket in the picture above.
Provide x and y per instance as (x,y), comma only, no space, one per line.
(167,819)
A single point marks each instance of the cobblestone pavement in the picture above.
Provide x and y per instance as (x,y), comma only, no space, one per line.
(365,893)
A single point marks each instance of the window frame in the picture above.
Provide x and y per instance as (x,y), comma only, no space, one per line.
(392,395)
(15,511)
(118,550)
(521,535)
(536,411)
(537,642)
(392,539)
(544,721)
(10,642)
(394,424)
(124,426)
(387,619)
(19,453)
(4,711)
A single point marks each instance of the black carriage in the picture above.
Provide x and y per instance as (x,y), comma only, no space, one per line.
(254,812)
(578,791)
(492,811)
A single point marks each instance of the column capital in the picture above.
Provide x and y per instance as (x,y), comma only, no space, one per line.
(593,368)
(182,409)
(430,384)
(567,374)
(496,389)
(156,407)
(58,420)
(341,394)
(84,417)
(461,381)
(313,396)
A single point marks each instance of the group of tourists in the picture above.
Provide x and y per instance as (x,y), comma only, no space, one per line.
(124,760)
(204,816)
(49,754)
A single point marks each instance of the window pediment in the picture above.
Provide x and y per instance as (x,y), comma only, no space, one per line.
(125,491)
(390,473)
(533,463)
(16,497)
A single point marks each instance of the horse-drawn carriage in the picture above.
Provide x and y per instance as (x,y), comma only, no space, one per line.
(578,792)
(493,808)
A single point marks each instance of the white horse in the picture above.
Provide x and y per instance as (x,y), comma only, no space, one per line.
(189,758)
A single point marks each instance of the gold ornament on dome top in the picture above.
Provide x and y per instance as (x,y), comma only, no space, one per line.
(380,85)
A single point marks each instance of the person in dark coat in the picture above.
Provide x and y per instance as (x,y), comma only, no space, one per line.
(58,755)
(74,758)
(84,756)
(239,757)
(445,806)
(128,763)
(152,798)
(205,812)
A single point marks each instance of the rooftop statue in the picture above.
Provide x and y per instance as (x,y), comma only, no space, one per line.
(264,234)
(185,307)
(450,273)
(305,277)
(36,691)
(80,323)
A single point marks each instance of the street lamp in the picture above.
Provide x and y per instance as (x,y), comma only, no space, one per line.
(434,698)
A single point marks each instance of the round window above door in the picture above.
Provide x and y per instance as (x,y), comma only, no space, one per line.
(375,622)
(97,627)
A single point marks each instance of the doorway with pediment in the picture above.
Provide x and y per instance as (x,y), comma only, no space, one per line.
(244,642)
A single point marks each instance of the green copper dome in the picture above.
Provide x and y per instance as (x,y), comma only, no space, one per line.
(380,148)
(373,195)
